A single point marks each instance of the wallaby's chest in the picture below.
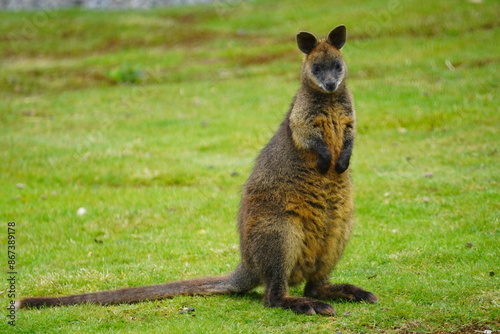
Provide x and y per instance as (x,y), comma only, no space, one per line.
(332,123)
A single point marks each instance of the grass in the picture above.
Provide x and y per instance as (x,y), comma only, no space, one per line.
(151,121)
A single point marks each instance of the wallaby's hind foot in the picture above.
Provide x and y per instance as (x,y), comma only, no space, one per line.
(303,305)
(339,291)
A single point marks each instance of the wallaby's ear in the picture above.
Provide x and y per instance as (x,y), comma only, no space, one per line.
(306,41)
(337,36)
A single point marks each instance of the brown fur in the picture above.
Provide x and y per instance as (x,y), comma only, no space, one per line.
(296,210)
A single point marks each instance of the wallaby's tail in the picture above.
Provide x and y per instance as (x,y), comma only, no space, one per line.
(238,281)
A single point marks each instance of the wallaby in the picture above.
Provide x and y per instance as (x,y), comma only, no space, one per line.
(296,209)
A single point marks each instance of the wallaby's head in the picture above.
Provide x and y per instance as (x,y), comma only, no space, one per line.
(323,68)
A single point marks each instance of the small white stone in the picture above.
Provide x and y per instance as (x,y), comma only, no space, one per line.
(81,211)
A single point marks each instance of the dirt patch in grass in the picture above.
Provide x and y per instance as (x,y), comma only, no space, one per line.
(265,58)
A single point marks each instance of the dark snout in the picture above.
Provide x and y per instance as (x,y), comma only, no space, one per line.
(330,86)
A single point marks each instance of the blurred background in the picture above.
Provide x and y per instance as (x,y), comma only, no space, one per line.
(109,4)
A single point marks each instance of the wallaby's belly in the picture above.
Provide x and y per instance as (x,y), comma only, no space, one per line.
(323,225)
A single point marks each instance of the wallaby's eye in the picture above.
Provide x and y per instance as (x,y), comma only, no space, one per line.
(316,69)
(338,67)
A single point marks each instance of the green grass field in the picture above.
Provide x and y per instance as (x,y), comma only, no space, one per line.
(151,120)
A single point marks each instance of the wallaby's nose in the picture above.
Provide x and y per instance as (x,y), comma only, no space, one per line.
(330,86)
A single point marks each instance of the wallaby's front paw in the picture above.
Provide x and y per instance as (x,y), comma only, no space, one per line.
(341,166)
(324,161)
(343,161)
